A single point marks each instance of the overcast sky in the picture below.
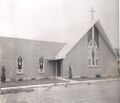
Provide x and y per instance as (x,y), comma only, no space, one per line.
(46,19)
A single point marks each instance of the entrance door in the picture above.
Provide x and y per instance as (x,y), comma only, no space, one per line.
(59,68)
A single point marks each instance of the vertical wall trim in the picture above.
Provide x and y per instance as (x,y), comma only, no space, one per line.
(56,68)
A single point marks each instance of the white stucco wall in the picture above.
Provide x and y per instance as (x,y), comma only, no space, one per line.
(77,59)
(30,51)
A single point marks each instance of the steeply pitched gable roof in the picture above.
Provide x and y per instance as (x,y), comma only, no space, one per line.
(82,31)
(57,51)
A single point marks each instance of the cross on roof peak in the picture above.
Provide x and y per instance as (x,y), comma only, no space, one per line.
(92,13)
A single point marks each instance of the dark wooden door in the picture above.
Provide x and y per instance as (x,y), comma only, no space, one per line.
(59,68)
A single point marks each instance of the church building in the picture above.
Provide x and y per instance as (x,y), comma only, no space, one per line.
(90,55)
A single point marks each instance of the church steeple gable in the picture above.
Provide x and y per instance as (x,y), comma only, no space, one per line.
(92,46)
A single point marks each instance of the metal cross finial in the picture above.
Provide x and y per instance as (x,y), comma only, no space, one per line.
(92,14)
(92,18)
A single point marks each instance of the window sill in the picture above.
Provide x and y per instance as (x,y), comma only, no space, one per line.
(96,66)
(19,71)
(41,71)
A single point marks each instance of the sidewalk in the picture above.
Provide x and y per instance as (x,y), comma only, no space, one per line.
(67,82)
(26,83)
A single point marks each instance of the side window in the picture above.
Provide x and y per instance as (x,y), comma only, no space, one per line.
(41,65)
(19,65)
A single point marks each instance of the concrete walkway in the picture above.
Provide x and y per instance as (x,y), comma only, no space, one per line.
(86,81)
(67,82)
(107,91)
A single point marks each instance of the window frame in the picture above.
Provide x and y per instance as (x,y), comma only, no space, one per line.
(93,46)
(41,60)
(20,71)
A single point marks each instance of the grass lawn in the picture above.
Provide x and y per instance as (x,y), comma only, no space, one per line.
(30,82)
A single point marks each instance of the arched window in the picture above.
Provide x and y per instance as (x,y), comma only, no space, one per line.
(92,54)
(41,64)
(19,64)
(19,60)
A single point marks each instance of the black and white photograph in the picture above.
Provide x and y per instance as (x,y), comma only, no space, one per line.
(59,51)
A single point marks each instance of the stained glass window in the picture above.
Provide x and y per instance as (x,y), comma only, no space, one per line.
(19,64)
(92,54)
(41,65)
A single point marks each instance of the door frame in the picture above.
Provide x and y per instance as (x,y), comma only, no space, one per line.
(58,68)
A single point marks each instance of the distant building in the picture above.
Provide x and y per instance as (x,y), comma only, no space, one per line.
(88,56)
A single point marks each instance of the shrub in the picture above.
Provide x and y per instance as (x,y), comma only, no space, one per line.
(98,76)
(3,75)
(20,79)
(70,72)
(33,78)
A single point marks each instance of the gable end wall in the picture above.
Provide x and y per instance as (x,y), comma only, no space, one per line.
(77,59)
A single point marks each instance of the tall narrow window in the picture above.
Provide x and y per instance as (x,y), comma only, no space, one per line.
(93,44)
(92,54)
(41,65)
(19,64)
